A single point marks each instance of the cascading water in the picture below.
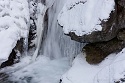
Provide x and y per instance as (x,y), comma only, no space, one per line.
(41,13)
(41,10)
(57,44)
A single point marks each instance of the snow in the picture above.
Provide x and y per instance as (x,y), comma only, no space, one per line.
(110,70)
(14,16)
(115,71)
(43,70)
(84,16)
(79,16)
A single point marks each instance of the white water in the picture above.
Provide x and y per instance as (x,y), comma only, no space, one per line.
(56,44)
(41,13)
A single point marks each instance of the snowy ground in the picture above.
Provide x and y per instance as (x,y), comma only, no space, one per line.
(43,70)
(110,70)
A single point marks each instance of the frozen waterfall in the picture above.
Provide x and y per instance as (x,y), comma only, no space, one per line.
(40,23)
(56,44)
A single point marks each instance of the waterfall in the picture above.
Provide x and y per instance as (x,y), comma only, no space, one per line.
(41,13)
(56,44)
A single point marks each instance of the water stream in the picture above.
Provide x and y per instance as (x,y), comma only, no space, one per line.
(54,51)
(56,44)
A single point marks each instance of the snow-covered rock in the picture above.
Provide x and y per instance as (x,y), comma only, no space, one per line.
(84,16)
(14,18)
(92,21)
(109,71)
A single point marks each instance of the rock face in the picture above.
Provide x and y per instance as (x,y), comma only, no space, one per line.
(96,52)
(10,60)
(110,28)
(13,58)
(109,40)
(33,20)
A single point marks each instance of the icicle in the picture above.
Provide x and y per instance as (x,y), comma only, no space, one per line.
(41,13)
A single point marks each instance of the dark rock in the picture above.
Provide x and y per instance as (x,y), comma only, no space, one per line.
(96,52)
(13,55)
(10,60)
(32,33)
(121,35)
(19,45)
(117,82)
(121,80)
(60,81)
(121,2)
(110,40)
(33,26)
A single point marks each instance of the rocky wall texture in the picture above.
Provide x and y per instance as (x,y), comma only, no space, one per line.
(109,40)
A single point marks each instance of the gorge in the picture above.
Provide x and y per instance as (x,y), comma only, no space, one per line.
(62,41)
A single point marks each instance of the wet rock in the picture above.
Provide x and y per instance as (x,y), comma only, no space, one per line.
(121,80)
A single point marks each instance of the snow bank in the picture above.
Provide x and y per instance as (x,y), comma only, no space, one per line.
(14,16)
(113,72)
(110,70)
(84,16)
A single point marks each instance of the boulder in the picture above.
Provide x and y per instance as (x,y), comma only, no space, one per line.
(110,28)
(96,52)
(111,39)
(14,57)
(10,60)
